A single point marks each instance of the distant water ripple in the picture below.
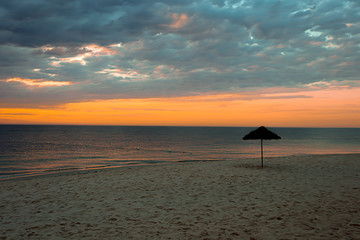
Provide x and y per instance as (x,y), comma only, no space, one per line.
(33,150)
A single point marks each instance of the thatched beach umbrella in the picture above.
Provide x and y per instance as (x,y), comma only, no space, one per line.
(261,133)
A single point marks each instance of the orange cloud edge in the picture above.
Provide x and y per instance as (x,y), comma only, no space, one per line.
(39,82)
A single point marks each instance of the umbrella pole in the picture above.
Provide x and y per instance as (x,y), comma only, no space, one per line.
(262,154)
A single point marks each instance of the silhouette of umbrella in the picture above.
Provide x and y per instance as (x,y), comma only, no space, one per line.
(261,133)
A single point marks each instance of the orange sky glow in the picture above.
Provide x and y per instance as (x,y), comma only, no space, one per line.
(319,108)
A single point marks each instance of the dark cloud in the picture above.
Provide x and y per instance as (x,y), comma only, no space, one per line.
(123,49)
(37,23)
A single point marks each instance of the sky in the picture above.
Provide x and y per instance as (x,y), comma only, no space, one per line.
(285,63)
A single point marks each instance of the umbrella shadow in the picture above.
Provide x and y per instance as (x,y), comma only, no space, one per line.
(251,166)
(270,166)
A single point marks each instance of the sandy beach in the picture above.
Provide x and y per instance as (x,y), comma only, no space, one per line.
(296,197)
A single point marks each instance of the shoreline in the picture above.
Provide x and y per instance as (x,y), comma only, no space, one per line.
(302,197)
(52,173)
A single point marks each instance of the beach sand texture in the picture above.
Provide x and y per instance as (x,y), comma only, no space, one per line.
(297,197)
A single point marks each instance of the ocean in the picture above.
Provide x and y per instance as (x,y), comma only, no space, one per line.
(29,150)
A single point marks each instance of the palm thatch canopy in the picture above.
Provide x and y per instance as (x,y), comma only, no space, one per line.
(261,133)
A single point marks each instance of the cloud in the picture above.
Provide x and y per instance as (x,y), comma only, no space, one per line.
(38,82)
(179,21)
(5,114)
(139,49)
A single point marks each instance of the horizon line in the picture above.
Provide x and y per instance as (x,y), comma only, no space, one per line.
(190,126)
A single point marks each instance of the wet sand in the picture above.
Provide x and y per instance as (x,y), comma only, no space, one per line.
(297,197)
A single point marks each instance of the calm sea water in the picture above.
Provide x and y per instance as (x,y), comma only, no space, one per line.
(33,150)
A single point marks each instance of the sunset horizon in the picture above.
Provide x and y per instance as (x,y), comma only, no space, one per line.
(225,110)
